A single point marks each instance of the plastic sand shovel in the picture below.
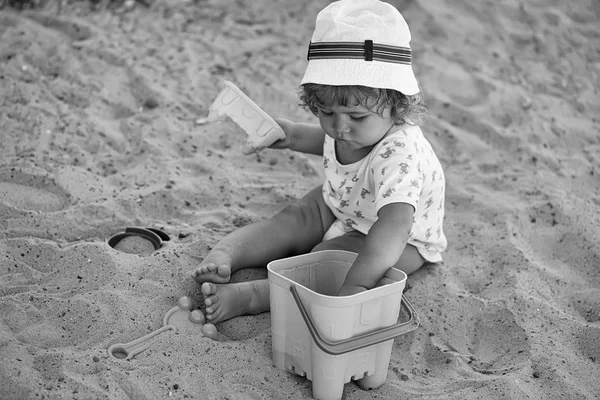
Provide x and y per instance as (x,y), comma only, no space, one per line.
(180,318)
(231,102)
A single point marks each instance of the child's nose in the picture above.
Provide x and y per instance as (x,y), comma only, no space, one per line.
(342,124)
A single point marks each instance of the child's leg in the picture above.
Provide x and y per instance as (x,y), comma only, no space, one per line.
(295,230)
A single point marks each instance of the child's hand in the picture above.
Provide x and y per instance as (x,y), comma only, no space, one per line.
(288,127)
(284,143)
(302,137)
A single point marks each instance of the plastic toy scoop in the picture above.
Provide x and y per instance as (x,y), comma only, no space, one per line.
(231,102)
(180,318)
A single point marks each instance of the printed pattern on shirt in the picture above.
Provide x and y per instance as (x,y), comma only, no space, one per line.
(402,168)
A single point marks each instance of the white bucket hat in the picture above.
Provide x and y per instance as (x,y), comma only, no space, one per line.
(361,42)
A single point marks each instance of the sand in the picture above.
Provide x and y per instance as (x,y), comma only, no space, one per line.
(101,127)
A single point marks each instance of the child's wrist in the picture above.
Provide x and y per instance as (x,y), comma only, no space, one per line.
(291,135)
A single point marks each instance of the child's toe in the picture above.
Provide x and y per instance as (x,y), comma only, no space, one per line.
(223,270)
(208,288)
(209,301)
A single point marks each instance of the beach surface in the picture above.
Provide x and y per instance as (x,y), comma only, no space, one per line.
(102,127)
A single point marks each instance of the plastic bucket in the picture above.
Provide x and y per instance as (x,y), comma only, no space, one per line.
(333,339)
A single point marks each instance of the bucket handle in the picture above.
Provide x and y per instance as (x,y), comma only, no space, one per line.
(360,341)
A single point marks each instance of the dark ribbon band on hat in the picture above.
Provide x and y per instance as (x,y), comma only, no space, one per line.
(366,50)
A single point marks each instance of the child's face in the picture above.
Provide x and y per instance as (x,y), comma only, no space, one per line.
(355,126)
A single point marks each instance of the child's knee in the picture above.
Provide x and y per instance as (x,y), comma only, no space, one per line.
(411,260)
(329,245)
(298,216)
(351,241)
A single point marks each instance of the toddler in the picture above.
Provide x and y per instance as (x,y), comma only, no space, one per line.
(383,195)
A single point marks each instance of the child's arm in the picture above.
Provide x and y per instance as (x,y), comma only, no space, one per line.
(302,137)
(384,245)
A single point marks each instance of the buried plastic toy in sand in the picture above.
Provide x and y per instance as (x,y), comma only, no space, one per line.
(181,318)
(136,240)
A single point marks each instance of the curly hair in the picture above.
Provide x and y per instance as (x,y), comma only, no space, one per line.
(403,109)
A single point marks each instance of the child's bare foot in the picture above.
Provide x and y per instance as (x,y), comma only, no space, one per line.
(215,268)
(231,300)
(212,273)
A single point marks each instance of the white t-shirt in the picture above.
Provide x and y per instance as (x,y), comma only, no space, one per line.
(401,168)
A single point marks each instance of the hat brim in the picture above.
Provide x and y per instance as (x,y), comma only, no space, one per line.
(346,72)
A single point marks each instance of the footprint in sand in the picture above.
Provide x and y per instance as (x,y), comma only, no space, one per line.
(247,383)
(587,304)
(42,267)
(50,322)
(488,338)
(546,235)
(31,192)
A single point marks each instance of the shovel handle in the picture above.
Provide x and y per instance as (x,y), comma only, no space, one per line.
(130,349)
